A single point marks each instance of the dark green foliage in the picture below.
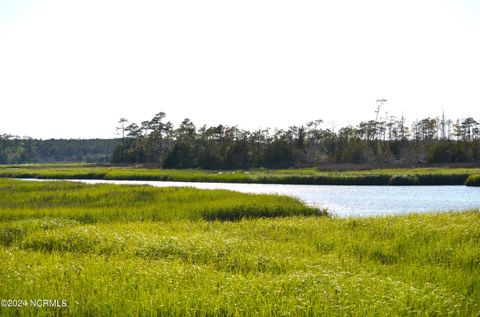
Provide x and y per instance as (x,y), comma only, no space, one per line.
(181,156)
(279,155)
(452,152)
(159,143)
(371,142)
(15,150)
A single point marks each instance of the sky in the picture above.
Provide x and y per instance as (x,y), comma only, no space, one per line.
(72,68)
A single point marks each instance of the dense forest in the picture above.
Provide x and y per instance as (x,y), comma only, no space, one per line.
(15,150)
(388,141)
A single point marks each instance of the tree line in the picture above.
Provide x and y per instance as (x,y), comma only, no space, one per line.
(19,150)
(389,140)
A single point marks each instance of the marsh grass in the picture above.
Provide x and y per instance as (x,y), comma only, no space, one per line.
(421,176)
(473,180)
(152,252)
(300,266)
(104,203)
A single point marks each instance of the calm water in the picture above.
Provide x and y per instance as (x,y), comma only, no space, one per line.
(355,201)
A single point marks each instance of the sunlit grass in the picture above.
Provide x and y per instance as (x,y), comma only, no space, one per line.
(105,203)
(112,250)
(409,265)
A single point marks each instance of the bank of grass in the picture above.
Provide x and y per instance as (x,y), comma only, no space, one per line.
(123,261)
(412,176)
(106,203)
(473,180)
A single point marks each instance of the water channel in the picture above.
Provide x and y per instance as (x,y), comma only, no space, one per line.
(345,201)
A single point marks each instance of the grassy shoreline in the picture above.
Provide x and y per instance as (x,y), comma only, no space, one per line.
(117,263)
(107,203)
(413,176)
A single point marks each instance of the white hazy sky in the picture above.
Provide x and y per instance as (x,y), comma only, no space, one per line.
(73,68)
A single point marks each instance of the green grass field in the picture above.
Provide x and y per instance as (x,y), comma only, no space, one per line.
(412,176)
(111,250)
